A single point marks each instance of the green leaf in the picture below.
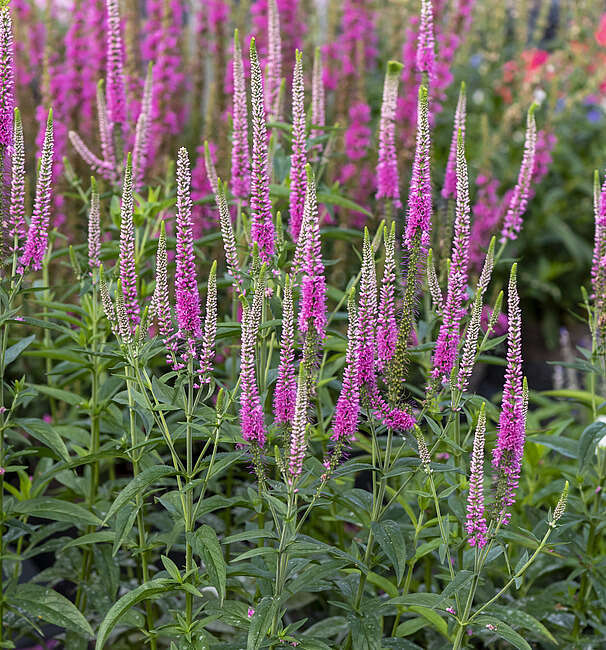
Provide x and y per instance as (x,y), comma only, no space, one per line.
(460,580)
(171,568)
(91,538)
(523,619)
(47,435)
(393,543)
(58,393)
(137,486)
(15,350)
(142,592)
(564,446)
(588,440)
(420,600)
(433,618)
(206,544)
(50,606)
(261,622)
(57,510)
(503,630)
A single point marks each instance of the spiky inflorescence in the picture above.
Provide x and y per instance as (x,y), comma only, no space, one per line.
(108,305)
(598,266)
(105,133)
(388,181)
(94,228)
(345,422)
(298,440)
(433,284)
(115,88)
(160,300)
(7,78)
(448,339)
(211,171)
(229,241)
(240,164)
(186,287)
(387,328)
(426,56)
(367,313)
(274,61)
(210,326)
(418,223)
(16,217)
(94,162)
(141,148)
(424,456)
(507,455)
(128,273)
(124,323)
(449,191)
(476,520)
(37,234)
(318,100)
(313,289)
(512,223)
(251,411)
(262,226)
(298,158)
(286,385)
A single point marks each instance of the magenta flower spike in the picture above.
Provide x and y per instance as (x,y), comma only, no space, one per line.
(186,286)
(210,327)
(286,386)
(298,158)
(251,411)
(128,273)
(426,56)
(115,87)
(37,234)
(262,227)
(7,79)
(94,228)
(318,100)
(274,61)
(313,289)
(512,223)
(298,438)
(345,422)
(16,215)
(449,191)
(387,327)
(142,131)
(240,165)
(367,314)
(229,241)
(476,520)
(448,339)
(418,224)
(509,450)
(388,180)
(161,309)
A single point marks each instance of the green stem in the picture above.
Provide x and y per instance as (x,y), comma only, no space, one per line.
(189,493)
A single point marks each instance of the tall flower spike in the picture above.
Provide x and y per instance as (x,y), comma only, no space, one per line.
(229,241)
(449,191)
(37,234)
(17,205)
(274,60)
(125,331)
(298,158)
(418,224)
(286,385)
(211,172)
(210,326)
(108,305)
(598,266)
(94,228)
(7,78)
(94,162)
(298,439)
(160,301)
(345,421)
(476,521)
(313,289)
(128,273)
(186,286)
(388,180)
(115,88)
(105,132)
(318,100)
(507,455)
(240,165)
(433,284)
(141,148)
(387,328)
(426,56)
(367,314)
(512,223)
(251,411)
(262,227)
(448,338)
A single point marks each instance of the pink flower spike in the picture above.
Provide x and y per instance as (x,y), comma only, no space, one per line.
(298,158)
(229,241)
(240,165)
(7,79)
(17,205)
(449,191)
(476,520)
(128,273)
(210,326)
(286,385)
(387,327)
(115,88)
(37,234)
(519,199)
(298,439)
(94,228)
(367,314)
(388,180)
(262,228)
(274,61)
(160,301)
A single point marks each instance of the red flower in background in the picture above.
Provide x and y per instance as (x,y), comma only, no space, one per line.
(600,32)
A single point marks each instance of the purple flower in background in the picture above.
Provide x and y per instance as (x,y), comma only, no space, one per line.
(274,61)
(449,191)
(286,385)
(240,165)
(298,158)
(426,56)
(476,521)
(501,323)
